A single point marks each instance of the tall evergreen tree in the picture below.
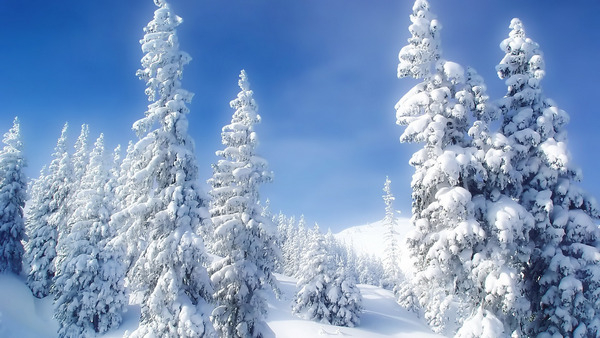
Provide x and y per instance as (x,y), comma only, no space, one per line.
(13,188)
(46,217)
(89,285)
(443,212)
(113,181)
(499,262)
(242,235)
(391,273)
(72,171)
(163,205)
(458,224)
(565,257)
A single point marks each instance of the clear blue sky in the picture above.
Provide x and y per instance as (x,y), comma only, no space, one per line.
(323,73)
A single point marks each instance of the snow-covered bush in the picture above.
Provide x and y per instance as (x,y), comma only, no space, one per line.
(317,273)
(327,292)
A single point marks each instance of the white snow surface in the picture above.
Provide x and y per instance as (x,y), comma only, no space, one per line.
(23,316)
(370,238)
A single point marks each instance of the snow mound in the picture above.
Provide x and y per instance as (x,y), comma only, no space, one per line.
(22,315)
(370,238)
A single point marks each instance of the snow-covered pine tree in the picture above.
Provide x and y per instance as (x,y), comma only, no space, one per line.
(282,240)
(316,274)
(344,298)
(76,168)
(565,257)
(499,262)
(164,207)
(242,236)
(81,157)
(46,217)
(391,256)
(445,232)
(299,247)
(112,184)
(123,188)
(89,284)
(13,186)
(288,252)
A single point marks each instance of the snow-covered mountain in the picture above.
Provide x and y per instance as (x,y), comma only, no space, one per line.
(370,238)
(23,316)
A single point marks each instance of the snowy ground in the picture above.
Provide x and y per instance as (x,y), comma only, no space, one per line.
(381,317)
(23,316)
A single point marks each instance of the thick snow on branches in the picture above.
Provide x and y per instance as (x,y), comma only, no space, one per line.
(12,200)
(503,243)
(163,207)
(503,240)
(242,235)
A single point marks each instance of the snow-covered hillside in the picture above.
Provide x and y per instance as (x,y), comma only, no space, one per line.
(23,316)
(370,238)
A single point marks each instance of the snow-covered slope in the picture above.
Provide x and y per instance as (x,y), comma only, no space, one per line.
(23,316)
(370,238)
(381,317)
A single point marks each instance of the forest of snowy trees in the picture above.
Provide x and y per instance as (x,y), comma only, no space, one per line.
(504,240)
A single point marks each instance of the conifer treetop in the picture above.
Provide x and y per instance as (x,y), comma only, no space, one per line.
(12,138)
(423,50)
(162,70)
(523,55)
(61,143)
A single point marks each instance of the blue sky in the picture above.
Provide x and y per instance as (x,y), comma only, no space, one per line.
(323,73)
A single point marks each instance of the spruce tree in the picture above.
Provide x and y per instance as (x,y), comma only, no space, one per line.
(391,256)
(499,262)
(443,212)
(244,238)
(163,207)
(81,156)
(73,169)
(447,177)
(13,185)
(46,218)
(564,240)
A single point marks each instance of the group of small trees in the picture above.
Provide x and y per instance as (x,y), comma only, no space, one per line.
(504,241)
(69,250)
(327,289)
